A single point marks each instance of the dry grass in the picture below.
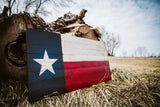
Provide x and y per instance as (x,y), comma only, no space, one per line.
(135,82)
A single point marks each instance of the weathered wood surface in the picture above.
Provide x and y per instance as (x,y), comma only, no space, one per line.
(77,63)
(81,49)
(13,40)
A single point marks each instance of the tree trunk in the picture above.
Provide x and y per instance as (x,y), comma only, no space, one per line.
(12,46)
(13,61)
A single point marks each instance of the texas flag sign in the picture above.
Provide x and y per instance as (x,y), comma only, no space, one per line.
(60,63)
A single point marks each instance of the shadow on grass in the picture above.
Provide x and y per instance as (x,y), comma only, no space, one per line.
(13,93)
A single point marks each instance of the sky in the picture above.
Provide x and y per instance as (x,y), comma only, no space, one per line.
(137,22)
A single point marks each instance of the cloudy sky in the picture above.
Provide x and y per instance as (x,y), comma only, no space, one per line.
(136,21)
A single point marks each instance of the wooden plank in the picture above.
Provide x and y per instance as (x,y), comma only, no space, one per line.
(82,75)
(78,40)
(70,58)
(90,46)
(85,64)
(80,49)
(75,51)
(67,50)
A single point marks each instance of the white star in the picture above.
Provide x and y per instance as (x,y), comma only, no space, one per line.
(46,63)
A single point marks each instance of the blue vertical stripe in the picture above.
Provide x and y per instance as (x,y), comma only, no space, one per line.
(37,42)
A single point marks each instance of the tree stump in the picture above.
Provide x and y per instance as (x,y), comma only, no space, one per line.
(13,53)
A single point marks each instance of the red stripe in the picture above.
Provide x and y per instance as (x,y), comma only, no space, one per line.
(83,74)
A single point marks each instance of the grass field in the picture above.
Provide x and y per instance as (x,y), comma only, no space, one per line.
(135,82)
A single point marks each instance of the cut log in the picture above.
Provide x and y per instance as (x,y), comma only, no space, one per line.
(12,39)
(4,15)
(13,34)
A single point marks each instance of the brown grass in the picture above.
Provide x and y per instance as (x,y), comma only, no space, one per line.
(135,82)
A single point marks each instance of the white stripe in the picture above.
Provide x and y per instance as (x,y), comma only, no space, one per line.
(81,49)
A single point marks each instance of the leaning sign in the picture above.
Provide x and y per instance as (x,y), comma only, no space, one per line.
(58,64)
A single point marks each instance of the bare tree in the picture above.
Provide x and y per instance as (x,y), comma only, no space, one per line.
(39,4)
(10,4)
(112,41)
(32,6)
(124,53)
(1,9)
(28,4)
(14,6)
(141,52)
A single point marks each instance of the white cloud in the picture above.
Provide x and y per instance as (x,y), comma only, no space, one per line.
(137,22)
(134,22)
